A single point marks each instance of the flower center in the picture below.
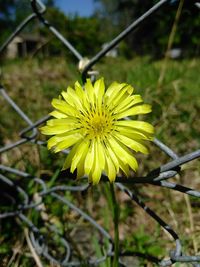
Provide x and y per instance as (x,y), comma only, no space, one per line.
(97,125)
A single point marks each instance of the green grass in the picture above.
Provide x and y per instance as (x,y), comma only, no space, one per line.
(176,107)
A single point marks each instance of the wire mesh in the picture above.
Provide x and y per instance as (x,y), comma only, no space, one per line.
(158,177)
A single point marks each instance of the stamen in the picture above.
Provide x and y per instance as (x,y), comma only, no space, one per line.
(97,124)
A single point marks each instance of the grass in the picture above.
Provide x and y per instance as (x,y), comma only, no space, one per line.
(176,106)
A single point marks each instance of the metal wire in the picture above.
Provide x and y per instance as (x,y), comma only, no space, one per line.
(23,24)
(157,177)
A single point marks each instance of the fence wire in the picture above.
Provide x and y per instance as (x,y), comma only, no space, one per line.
(158,177)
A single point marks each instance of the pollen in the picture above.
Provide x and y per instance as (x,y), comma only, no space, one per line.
(98,125)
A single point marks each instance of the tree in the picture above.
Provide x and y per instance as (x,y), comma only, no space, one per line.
(13,12)
(5,18)
(82,33)
(152,36)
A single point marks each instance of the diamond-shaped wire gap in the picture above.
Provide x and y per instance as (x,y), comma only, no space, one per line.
(24,118)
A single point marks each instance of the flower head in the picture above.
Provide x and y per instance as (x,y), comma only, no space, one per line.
(91,120)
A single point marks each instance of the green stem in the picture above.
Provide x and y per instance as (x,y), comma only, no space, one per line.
(115,209)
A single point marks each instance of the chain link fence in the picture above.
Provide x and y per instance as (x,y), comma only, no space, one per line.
(41,243)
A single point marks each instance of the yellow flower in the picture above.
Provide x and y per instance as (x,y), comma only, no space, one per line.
(91,120)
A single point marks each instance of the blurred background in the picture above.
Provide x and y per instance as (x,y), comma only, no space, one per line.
(90,24)
(161,60)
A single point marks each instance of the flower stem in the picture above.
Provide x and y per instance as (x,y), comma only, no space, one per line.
(115,210)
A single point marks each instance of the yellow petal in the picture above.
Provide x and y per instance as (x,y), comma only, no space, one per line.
(59,126)
(95,174)
(70,156)
(140,125)
(49,130)
(79,90)
(127,104)
(53,141)
(67,122)
(124,93)
(89,160)
(124,153)
(110,169)
(62,106)
(140,109)
(134,145)
(89,89)
(99,90)
(57,114)
(133,133)
(79,156)
(119,164)
(72,98)
(82,95)
(124,167)
(101,153)
(80,171)
(112,91)
(80,165)
(112,155)
(67,142)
